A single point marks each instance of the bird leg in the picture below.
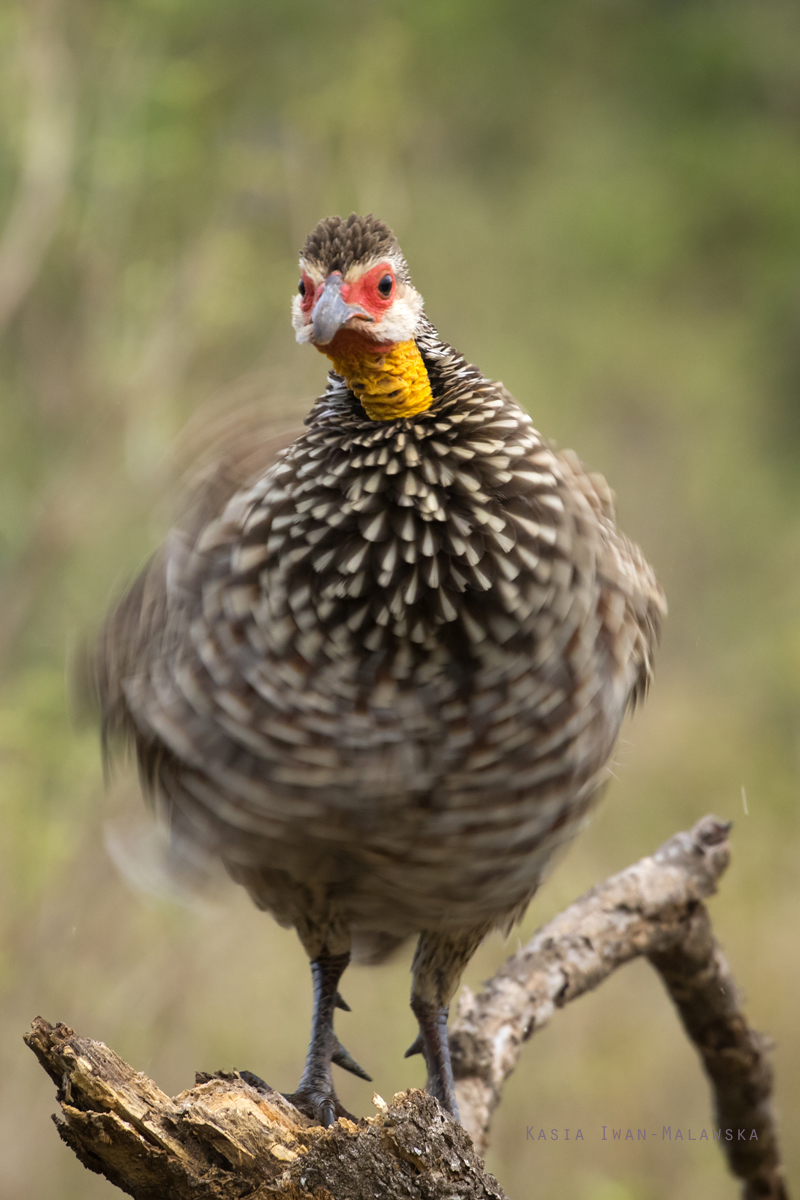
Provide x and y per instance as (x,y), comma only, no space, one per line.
(433,1044)
(439,962)
(315,1095)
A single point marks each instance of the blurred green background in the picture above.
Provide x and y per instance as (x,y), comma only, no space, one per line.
(600,201)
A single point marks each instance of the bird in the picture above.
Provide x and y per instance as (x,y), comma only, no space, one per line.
(381,673)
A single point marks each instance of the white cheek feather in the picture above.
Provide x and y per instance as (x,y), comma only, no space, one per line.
(302,331)
(400,322)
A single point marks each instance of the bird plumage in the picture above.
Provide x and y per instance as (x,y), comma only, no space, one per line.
(383,679)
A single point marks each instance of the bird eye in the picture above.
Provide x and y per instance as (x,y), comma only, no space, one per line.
(301,287)
(385,285)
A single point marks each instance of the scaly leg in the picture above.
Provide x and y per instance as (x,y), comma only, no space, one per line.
(316,1095)
(433,1044)
(438,965)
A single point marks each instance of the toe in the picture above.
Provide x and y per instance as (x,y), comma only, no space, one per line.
(343,1058)
(322,1106)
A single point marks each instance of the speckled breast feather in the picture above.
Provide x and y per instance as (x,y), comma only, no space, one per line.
(396,664)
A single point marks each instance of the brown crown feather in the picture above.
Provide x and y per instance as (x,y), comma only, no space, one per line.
(337,243)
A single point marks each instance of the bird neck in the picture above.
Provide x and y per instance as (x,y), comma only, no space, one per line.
(391,383)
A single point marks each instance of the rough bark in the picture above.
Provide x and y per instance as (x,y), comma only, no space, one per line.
(224,1138)
(699,980)
(653,908)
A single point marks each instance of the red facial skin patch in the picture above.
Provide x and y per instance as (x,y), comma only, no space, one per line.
(364,293)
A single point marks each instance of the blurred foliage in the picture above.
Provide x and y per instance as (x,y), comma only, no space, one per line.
(600,200)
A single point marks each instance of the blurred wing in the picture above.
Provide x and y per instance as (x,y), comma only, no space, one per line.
(142,625)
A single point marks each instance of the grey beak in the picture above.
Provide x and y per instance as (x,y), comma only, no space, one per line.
(331,312)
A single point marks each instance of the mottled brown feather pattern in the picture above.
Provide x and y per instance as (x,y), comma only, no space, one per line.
(384,679)
(337,243)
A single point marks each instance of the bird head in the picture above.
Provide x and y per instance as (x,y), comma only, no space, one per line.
(355,291)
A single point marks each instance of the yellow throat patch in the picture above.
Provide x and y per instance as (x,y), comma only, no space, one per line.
(388,385)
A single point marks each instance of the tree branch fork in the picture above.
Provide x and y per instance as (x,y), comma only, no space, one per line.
(225,1139)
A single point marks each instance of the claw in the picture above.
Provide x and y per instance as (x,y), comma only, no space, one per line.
(416,1047)
(343,1058)
(342,1003)
(322,1107)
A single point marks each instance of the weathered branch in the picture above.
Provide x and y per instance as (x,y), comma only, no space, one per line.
(700,982)
(225,1139)
(653,908)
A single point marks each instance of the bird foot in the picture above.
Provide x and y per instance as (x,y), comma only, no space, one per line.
(320,1103)
(316,1096)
